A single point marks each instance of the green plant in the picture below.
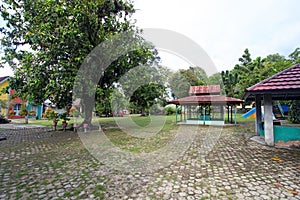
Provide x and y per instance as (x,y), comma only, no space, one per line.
(294,114)
(11,112)
(3,120)
(64,116)
(170,110)
(32,113)
(23,110)
(53,116)
(74,112)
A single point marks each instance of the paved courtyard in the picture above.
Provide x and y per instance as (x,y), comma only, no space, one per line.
(38,164)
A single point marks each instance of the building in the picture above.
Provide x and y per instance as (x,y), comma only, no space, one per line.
(284,85)
(11,106)
(205,106)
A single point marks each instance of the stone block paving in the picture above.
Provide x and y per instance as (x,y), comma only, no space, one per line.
(40,164)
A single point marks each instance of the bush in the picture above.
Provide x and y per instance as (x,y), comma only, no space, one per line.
(32,113)
(23,110)
(169,110)
(48,112)
(294,113)
(11,112)
(3,120)
(74,112)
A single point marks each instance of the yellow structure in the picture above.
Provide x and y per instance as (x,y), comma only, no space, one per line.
(4,98)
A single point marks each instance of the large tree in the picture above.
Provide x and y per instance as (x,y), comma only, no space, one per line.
(182,79)
(46,42)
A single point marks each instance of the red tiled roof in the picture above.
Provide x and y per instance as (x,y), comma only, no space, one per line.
(205,89)
(16,100)
(206,99)
(285,80)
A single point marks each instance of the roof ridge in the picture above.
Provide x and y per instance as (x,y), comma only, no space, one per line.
(267,79)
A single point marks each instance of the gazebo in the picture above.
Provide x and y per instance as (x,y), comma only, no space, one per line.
(284,85)
(205,106)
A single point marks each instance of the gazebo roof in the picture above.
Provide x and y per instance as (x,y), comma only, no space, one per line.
(206,99)
(205,90)
(283,85)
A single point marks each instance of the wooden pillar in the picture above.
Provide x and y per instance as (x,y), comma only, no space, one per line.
(269,131)
(181,113)
(258,117)
(184,116)
(228,113)
(231,121)
(176,113)
(222,111)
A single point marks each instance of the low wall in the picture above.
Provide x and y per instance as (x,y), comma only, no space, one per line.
(201,122)
(285,133)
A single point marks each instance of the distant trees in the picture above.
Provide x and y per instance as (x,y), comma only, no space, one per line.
(251,71)
(181,80)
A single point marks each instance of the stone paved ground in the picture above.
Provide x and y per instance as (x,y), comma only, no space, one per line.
(37,164)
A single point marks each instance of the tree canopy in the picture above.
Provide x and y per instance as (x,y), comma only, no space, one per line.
(46,42)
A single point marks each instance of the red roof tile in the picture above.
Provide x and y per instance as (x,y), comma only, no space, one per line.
(205,89)
(284,80)
(206,99)
(16,100)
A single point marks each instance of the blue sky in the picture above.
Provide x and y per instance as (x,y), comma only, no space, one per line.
(223,28)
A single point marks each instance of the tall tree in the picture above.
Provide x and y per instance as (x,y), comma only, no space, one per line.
(295,56)
(58,36)
(144,86)
(181,80)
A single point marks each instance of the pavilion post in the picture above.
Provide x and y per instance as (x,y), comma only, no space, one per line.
(184,114)
(176,111)
(228,113)
(181,113)
(268,116)
(258,117)
(231,121)
(222,112)
(204,115)
(235,114)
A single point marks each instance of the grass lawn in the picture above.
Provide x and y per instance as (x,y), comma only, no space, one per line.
(136,144)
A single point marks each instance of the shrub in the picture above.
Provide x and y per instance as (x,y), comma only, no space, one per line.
(32,113)
(169,110)
(11,112)
(23,110)
(74,112)
(294,114)
(3,120)
(49,112)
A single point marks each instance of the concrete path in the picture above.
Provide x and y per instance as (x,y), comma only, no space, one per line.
(38,164)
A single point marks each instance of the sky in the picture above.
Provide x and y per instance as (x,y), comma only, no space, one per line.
(223,28)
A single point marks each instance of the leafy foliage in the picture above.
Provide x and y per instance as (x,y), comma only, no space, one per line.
(58,36)
(294,114)
(181,80)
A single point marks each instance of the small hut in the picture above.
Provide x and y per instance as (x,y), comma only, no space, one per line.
(284,85)
(206,106)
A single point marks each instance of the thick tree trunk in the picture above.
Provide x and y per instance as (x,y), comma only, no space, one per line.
(88,112)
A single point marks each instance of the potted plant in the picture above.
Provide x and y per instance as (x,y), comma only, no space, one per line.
(54,117)
(64,117)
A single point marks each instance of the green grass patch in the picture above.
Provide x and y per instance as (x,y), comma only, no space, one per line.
(141,144)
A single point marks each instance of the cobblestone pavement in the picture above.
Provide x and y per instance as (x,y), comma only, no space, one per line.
(38,164)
